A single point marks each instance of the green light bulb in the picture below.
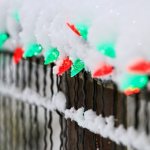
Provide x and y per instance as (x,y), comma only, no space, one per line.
(32,50)
(107,49)
(83,30)
(3,37)
(51,55)
(16,16)
(77,66)
(131,81)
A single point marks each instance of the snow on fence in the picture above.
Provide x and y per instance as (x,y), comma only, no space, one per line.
(34,113)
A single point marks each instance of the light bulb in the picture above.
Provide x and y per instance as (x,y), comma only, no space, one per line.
(78,65)
(73,28)
(16,16)
(32,50)
(132,81)
(83,30)
(140,66)
(104,69)
(107,49)
(66,64)
(131,91)
(3,37)
(51,55)
(17,56)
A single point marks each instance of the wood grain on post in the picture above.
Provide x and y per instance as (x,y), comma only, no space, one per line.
(83,91)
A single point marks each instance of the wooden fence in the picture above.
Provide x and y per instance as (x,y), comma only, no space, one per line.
(28,127)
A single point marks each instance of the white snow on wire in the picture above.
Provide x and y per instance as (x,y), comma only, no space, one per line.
(86,119)
(58,101)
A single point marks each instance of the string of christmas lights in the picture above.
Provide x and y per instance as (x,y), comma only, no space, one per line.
(88,40)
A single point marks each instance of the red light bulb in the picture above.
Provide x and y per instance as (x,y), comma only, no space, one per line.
(66,64)
(73,28)
(18,54)
(131,91)
(140,66)
(105,69)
